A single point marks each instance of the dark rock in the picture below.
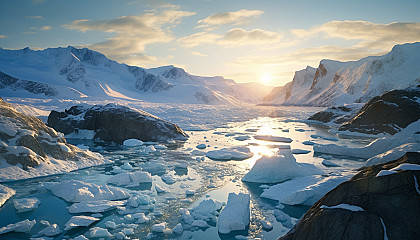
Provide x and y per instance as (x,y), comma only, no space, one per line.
(388,113)
(336,115)
(115,123)
(392,200)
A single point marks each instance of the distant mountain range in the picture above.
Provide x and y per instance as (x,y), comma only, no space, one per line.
(74,73)
(337,83)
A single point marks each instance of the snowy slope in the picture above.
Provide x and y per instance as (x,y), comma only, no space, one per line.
(337,83)
(82,73)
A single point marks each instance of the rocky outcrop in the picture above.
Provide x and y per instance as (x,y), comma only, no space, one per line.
(388,113)
(115,123)
(18,84)
(336,115)
(27,141)
(368,206)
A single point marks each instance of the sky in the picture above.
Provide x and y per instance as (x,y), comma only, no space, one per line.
(246,40)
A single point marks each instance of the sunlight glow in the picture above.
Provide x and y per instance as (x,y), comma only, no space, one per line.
(266,78)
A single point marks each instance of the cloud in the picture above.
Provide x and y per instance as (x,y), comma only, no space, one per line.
(132,33)
(240,17)
(43,28)
(35,17)
(3,36)
(154,3)
(371,35)
(234,37)
(198,54)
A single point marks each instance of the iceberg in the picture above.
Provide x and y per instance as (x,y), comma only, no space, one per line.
(79,221)
(130,178)
(236,214)
(94,206)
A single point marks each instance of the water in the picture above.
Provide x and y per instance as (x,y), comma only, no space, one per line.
(208,178)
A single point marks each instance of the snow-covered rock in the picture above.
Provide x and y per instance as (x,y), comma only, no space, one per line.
(94,206)
(278,168)
(114,122)
(235,215)
(26,204)
(5,194)
(130,178)
(22,226)
(233,153)
(79,221)
(78,191)
(336,83)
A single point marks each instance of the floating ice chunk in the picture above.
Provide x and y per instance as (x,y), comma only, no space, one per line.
(308,143)
(5,193)
(206,210)
(201,146)
(200,224)
(50,231)
(178,229)
(282,217)
(97,232)
(80,237)
(315,136)
(127,166)
(111,225)
(305,190)
(94,206)
(328,163)
(97,215)
(45,223)
(130,179)
(141,218)
(189,192)
(182,164)
(345,206)
(150,149)
(234,153)
(26,204)
(168,179)
(160,147)
(154,167)
(119,236)
(242,138)
(82,146)
(171,141)
(186,216)
(273,138)
(236,214)
(266,225)
(116,169)
(132,142)
(279,168)
(300,151)
(78,191)
(159,228)
(160,189)
(79,221)
(128,231)
(22,226)
(393,154)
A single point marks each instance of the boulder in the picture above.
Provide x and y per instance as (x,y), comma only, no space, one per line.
(388,113)
(338,115)
(368,206)
(115,123)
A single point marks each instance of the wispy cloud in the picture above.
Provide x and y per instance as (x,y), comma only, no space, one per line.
(154,3)
(234,37)
(43,28)
(35,17)
(198,54)
(240,17)
(3,36)
(133,33)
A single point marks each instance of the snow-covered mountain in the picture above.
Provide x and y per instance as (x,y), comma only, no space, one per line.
(82,73)
(337,83)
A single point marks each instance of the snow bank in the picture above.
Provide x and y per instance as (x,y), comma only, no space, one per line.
(94,206)
(236,214)
(130,179)
(303,191)
(22,226)
(26,204)
(5,193)
(279,168)
(78,191)
(379,146)
(273,138)
(393,154)
(79,221)
(233,153)
(345,206)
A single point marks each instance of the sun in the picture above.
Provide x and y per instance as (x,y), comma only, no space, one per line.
(266,78)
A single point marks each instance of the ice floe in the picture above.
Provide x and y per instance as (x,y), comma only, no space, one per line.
(300,151)
(159,227)
(22,226)
(5,194)
(50,231)
(233,153)
(78,191)
(97,232)
(26,204)
(206,210)
(273,138)
(393,154)
(130,179)
(132,142)
(79,221)
(235,215)
(279,168)
(201,146)
(303,191)
(94,206)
